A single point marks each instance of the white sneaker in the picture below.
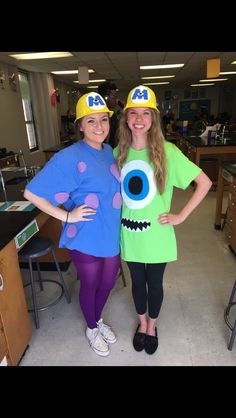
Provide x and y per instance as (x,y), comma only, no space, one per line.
(106,332)
(97,343)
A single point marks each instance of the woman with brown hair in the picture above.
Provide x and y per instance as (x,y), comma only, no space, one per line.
(150,168)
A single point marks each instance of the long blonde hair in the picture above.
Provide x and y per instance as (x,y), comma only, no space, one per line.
(156,147)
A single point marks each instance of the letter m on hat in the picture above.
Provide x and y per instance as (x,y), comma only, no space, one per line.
(95,101)
(138,94)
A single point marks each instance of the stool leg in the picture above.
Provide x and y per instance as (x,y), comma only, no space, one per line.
(122,275)
(39,275)
(231,298)
(61,278)
(231,341)
(33,294)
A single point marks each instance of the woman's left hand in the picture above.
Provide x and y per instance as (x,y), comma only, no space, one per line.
(170,219)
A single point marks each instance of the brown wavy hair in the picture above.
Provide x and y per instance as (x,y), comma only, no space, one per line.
(156,147)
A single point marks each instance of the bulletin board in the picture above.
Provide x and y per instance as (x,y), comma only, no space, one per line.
(190,108)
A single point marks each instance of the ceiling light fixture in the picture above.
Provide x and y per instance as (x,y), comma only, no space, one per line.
(155,84)
(201,85)
(71,71)
(91,81)
(41,55)
(97,81)
(234,62)
(227,72)
(214,79)
(153,67)
(158,76)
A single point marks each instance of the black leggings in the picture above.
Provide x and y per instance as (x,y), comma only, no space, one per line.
(147,287)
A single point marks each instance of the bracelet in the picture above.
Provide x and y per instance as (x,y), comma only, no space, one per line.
(67,216)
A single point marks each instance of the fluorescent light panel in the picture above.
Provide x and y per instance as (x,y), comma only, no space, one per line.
(227,72)
(201,85)
(213,79)
(71,71)
(158,76)
(155,84)
(97,81)
(153,67)
(234,62)
(92,87)
(41,55)
(92,81)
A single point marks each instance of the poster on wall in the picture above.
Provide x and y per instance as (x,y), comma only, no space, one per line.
(2,79)
(188,109)
(12,79)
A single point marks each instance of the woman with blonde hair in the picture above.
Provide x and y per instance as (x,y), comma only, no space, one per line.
(150,168)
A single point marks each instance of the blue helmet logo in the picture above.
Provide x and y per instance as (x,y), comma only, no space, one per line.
(95,101)
(140,95)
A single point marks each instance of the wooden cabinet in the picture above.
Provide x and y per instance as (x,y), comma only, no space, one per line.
(4,352)
(187,149)
(209,164)
(15,323)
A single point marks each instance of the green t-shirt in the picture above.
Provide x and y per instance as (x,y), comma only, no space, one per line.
(143,239)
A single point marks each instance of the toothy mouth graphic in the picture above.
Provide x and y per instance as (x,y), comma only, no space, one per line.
(136,226)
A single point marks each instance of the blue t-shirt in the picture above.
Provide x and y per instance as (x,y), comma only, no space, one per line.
(81,174)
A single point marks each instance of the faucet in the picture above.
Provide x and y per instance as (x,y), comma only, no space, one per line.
(23,159)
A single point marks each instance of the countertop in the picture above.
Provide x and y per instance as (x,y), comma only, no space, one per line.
(197,141)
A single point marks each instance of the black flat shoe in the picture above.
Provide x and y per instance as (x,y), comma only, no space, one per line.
(139,340)
(151,343)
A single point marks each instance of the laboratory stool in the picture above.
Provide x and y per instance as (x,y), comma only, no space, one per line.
(226,316)
(35,248)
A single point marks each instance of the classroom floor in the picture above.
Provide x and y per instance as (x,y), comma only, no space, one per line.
(191,326)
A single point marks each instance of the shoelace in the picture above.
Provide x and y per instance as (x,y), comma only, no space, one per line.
(94,337)
(103,326)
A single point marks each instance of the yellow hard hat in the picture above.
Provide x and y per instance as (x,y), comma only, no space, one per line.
(141,96)
(91,103)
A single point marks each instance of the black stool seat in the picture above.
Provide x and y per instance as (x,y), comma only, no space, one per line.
(35,248)
(226,316)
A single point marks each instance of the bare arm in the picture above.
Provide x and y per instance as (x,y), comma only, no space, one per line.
(203,185)
(75,215)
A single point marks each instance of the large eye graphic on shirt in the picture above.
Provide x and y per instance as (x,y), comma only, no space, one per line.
(138,185)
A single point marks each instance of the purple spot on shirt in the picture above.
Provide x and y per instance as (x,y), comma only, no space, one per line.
(114,171)
(61,197)
(71,231)
(117,201)
(92,201)
(81,166)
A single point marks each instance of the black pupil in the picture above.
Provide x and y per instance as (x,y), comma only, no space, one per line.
(135,185)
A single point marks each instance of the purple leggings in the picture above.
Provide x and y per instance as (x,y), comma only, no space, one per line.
(97,278)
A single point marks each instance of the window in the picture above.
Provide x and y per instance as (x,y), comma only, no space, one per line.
(28,111)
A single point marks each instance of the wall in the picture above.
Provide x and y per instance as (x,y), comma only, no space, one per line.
(13,134)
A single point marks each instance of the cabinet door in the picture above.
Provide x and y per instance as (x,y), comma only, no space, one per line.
(13,309)
(3,343)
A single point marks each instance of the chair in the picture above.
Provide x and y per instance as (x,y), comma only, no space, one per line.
(226,317)
(35,248)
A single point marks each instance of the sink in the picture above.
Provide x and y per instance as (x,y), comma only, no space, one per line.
(16,180)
